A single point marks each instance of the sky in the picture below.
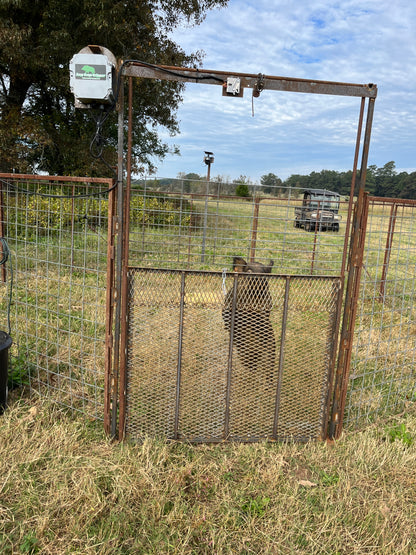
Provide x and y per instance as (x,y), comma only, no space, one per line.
(353,41)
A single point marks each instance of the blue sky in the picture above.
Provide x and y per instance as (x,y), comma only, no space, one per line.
(354,41)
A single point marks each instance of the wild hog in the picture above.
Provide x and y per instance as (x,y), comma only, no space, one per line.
(252,333)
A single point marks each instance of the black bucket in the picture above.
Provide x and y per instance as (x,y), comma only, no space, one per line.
(5,342)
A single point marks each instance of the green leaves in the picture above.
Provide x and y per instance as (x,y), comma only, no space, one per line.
(400,433)
(39,128)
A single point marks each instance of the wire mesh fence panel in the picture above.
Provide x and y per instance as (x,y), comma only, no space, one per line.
(200,226)
(383,377)
(217,356)
(56,230)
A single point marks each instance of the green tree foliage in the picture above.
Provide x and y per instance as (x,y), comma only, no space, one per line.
(190,181)
(242,186)
(270,183)
(383,182)
(39,127)
(242,190)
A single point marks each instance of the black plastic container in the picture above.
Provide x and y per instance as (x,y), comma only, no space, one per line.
(5,342)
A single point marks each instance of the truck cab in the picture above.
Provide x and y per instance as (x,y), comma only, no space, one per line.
(319,211)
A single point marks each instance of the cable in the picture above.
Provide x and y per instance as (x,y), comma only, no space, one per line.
(6,255)
(159,68)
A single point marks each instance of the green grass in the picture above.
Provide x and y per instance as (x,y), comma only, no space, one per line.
(58,310)
(66,488)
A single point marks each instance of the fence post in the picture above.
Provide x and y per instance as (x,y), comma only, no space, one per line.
(257,200)
(3,268)
(124,272)
(109,337)
(387,250)
(118,230)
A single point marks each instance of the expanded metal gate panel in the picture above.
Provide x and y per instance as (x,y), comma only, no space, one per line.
(217,356)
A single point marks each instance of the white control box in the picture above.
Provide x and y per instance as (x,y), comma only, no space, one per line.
(91,78)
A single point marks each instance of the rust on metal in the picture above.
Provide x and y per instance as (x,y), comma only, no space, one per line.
(109,337)
(66,178)
(352,291)
(352,191)
(124,246)
(2,222)
(119,227)
(250,80)
(387,250)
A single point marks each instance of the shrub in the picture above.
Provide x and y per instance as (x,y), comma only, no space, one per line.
(242,190)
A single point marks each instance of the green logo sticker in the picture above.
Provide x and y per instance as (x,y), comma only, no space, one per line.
(88,69)
(90,73)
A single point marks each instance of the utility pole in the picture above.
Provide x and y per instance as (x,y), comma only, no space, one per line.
(208,160)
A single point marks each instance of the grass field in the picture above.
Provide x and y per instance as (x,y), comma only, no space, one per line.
(58,309)
(65,488)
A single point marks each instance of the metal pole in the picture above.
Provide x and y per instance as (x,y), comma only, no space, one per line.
(204,233)
(3,268)
(355,261)
(281,357)
(387,250)
(179,363)
(109,338)
(230,359)
(254,228)
(124,273)
(119,225)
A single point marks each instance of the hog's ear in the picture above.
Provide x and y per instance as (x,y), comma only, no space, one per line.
(239,264)
(269,267)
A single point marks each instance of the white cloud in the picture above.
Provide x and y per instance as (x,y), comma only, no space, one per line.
(349,41)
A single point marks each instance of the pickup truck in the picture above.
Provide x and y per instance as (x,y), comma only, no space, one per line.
(319,211)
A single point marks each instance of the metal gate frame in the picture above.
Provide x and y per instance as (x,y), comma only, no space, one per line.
(295,355)
(117,297)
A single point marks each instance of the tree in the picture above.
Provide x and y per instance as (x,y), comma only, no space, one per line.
(407,185)
(39,127)
(242,188)
(385,180)
(190,181)
(270,183)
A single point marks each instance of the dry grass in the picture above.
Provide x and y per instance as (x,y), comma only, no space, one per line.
(65,488)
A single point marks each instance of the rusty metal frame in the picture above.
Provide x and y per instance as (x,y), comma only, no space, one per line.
(355,262)
(248,80)
(142,70)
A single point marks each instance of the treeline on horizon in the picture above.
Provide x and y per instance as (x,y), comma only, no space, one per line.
(380,181)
